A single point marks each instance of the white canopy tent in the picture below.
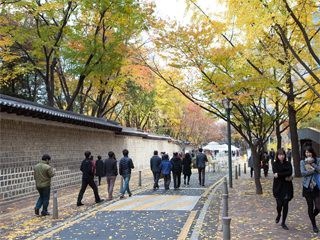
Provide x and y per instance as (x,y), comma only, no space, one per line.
(211,146)
(214,146)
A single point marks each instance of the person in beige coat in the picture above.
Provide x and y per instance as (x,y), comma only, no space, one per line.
(42,174)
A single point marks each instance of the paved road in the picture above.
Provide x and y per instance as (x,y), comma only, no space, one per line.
(191,212)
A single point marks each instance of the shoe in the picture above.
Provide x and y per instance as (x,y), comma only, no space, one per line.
(123,197)
(278,218)
(46,214)
(130,194)
(284,226)
(36,212)
(154,189)
(80,204)
(202,185)
(101,200)
(315,229)
(188,184)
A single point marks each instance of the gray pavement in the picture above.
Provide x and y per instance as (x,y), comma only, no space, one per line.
(191,212)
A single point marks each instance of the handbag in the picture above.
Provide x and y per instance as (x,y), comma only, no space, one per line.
(317,178)
(289,179)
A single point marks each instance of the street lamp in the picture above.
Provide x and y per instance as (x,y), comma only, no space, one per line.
(227,104)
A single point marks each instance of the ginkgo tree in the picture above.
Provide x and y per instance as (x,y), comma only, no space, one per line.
(288,32)
(212,71)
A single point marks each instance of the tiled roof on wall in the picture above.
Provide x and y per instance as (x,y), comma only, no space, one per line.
(30,109)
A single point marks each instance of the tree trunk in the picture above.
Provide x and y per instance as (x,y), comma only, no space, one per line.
(50,83)
(278,132)
(293,126)
(257,170)
(294,140)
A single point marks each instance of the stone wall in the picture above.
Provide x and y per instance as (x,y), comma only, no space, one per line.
(24,140)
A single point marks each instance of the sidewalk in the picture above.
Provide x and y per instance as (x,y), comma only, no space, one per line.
(253,216)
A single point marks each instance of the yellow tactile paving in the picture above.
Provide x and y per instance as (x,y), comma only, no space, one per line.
(126,203)
(177,205)
(148,205)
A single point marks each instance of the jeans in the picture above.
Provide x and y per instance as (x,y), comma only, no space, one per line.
(176,180)
(126,184)
(251,171)
(167,180)
(85,183)
(188,178)
(156,176)
(43,200)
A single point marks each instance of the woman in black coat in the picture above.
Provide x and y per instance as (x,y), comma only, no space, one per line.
(282,185)
(99,169)
(186,164)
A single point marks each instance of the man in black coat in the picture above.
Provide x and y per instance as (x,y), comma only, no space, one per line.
(272,156)
(125,167)
(99,169)
(87,179)
(176,170)
(265,163)
(289,154)
(154,165)
(201,160)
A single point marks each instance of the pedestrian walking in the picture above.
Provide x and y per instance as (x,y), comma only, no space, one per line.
(310,170)
(110,170)
(125,167)
(186,168)
(166,167)
(201,160)
(289,154)
(265,163)
(272,156)
(42,175)
(87,179)
(155,168)
(99,169)
(93,166)
(162,153)
(282,185)
(176,170)
(251,165)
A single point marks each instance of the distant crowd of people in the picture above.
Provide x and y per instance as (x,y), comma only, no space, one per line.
(162,167)
(282,181)
(265,158)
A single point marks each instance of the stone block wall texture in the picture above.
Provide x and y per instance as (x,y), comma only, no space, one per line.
(24,140)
